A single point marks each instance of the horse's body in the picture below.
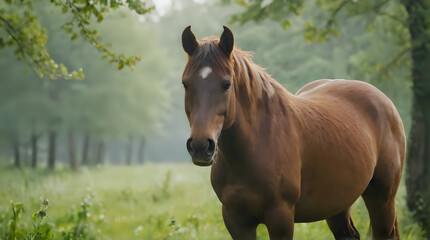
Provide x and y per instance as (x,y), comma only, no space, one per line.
(285,158)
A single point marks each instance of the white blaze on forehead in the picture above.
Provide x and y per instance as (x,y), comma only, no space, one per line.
(205,72)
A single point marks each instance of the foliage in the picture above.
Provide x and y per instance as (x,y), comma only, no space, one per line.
(129,102)
(108,104)
(12,232)
(320,25)
(80,224)
(77,225)
(22,30)
(40,231)
(118,203)
(322,20)
(17,229)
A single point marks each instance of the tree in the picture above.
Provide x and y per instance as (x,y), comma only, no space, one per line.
(411,31)
(100,154)
(85,148)
(129,151)
(140,151)
(22,29)
(114,105)
(72,150)
(107,105)
(34,149)
(418,159)
(25,106)
(52,149)
(17,157)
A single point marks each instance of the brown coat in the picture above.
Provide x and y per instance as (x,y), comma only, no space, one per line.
(279,158)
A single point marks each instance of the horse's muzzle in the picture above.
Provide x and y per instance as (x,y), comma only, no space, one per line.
(202,152)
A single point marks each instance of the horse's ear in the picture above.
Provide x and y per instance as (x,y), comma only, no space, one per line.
(189,42)
(226,41)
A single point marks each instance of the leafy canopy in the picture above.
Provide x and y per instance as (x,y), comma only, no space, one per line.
(20,28)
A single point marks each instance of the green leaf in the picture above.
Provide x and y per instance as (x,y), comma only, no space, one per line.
(19,207)
(335,32)
(74,36)
(286,24)
(100,17)
(41,214)
(67,29)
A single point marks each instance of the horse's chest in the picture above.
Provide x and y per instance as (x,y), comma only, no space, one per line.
(242,198)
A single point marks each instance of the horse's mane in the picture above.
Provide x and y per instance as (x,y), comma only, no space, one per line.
(250,80)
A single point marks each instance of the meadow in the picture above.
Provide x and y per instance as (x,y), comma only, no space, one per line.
(153,201)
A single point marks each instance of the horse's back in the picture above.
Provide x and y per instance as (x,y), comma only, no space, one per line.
(363,97)
(312,86)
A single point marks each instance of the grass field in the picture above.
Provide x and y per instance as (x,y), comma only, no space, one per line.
(154,201)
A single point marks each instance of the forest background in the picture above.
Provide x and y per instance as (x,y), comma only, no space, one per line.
(73,118)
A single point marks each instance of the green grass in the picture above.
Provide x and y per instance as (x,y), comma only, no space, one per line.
(154,201)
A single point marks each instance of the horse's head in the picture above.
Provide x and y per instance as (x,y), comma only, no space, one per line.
(209,92)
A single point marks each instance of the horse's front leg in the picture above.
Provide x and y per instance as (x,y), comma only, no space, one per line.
(279,220)
(240,225)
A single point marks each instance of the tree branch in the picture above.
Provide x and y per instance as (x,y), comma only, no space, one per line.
(335,12)
(379,6)
(9,29)
(92,37)
(391,16)
(394,60)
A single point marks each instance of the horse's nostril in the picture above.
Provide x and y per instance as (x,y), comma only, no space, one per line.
(201,149)
(211,146)
(189,148)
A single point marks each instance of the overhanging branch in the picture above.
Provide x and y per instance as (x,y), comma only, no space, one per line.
(394,60)
(335,12)
(11,30)
(391,16)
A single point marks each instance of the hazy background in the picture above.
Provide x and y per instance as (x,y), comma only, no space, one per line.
(108,151)
(141,112)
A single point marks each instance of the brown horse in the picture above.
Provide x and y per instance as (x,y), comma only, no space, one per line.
(279,158)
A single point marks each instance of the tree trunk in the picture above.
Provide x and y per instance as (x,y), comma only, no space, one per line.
(85,148)
(52,138)
(24,154)
(16,153)
(418,165)
(140,151)
(418,158)
(72,150)
(101,153)
(34,149)
(129,151)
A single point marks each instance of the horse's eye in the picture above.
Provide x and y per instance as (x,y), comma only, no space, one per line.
(185,85)
(226,85)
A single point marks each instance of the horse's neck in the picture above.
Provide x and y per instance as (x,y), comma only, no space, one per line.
(256,125)
(261,105)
